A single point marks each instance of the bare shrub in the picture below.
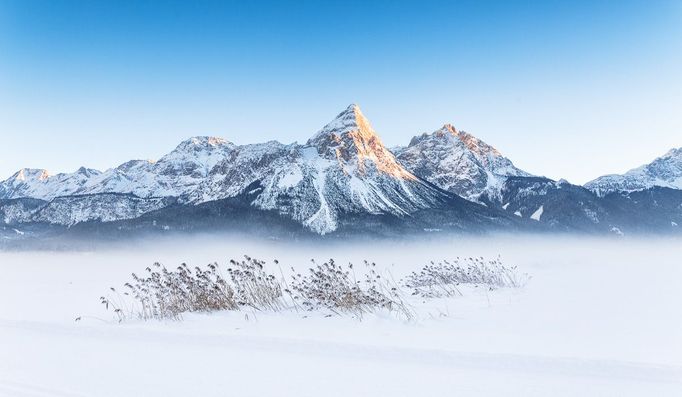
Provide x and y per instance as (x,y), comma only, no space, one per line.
(336,288)
(443,278)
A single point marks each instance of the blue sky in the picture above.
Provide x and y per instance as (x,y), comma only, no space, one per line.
(565,89)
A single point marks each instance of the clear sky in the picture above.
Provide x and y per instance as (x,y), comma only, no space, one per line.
(564,88)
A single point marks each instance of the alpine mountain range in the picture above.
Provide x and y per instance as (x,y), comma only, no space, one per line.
(342,182)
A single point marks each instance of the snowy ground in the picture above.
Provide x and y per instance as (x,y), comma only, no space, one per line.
(599,318)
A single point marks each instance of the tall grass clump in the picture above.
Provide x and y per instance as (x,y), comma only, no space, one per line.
(162,293)
(443,278)
(166,294)
(336,288)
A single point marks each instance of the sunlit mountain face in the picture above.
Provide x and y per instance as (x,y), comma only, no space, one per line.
(343,180)
(351,140)
(343,168)
(458,162)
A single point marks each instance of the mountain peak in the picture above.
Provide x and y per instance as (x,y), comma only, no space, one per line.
(203,141)
(353,107)
(87,172)
(353,110)
(350,139)
(449,128)
(447,133)
(472,143)
(31,174)
(351,119)
(664,171)
(458,162)
(674,152)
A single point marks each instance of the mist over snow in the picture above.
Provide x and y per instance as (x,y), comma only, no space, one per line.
(598,317)
(193,203)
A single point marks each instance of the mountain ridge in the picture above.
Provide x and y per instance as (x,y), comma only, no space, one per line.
(343,168)
(341,177)
(458,162)
(664,171)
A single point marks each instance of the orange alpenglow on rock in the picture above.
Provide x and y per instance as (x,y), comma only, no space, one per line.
(350,138)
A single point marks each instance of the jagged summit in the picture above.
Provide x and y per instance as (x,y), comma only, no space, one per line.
(87,171)
(665,171)
(454,136)
(25,174)
(203,142)
(200,151)
(458,162)
(351,140)
(339,177)
(351,120)
(674,152)
(38,183)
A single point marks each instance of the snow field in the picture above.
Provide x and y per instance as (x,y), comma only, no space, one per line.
(600,317)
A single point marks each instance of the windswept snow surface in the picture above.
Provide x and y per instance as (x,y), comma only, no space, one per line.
(598,318)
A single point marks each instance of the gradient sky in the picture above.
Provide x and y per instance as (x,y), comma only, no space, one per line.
(564,89)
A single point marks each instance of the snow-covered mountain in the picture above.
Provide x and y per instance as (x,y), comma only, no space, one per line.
(344,180)
(106,207)
(16,211)
(344,168)
(572,208)
(37,183)
(665,171)
(175,174)
(458,162)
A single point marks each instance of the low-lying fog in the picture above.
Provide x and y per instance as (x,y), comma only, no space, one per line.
(599,317)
